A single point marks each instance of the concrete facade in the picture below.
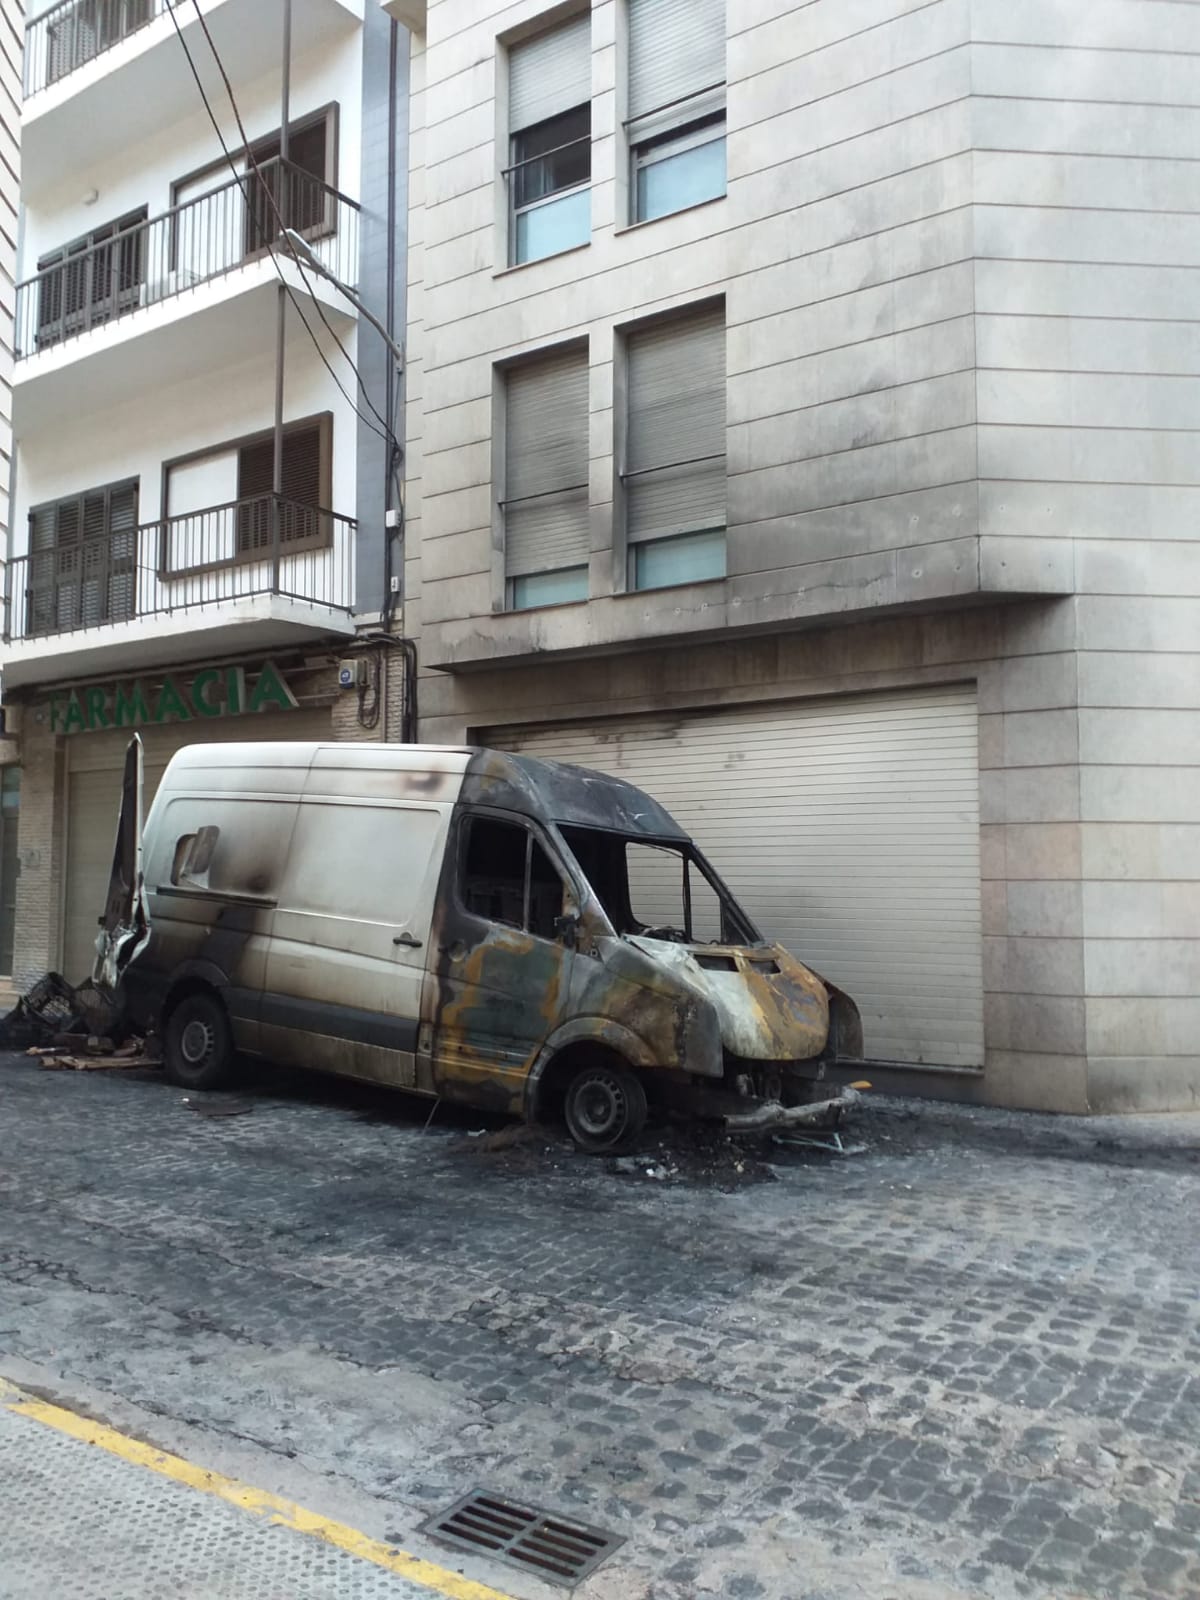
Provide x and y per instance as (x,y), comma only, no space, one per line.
(958,261)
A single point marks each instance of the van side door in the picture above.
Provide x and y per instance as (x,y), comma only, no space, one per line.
(500,971)
(351,934)
(214,861)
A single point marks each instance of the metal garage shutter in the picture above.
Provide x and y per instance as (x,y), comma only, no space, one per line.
(850,830)
(94,796)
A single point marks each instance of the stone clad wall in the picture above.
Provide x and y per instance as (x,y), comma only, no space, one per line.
(1085,125)
(960,255)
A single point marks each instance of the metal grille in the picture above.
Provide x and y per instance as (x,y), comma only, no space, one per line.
(559,1551)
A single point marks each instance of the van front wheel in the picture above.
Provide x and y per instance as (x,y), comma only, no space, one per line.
(198,1043)
(605,1108)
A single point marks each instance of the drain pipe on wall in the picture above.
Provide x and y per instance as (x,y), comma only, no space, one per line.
(395,397)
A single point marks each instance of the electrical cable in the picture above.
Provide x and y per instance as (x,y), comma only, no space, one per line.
(274,204)
(389,436)
(370,696)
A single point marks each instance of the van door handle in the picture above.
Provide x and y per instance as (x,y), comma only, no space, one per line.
(406,939)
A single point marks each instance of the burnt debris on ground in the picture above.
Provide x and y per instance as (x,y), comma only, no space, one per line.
(692,1153)
(74,1029)
(53,1010)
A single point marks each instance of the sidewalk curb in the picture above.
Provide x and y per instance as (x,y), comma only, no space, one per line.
(273,1508)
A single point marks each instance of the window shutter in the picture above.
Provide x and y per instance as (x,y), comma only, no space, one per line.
(550,74)
(301,488)
(546,466)
(676,385)
(302,467)
(69,523)
(43,529)
(256,473)
(256,469)
(676,48)
(122,544)
(40,580)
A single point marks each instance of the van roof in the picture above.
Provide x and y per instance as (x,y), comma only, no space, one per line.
(574,796)
(351,753)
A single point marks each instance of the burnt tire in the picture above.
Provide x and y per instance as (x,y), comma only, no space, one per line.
(198,1043)
(604,1108)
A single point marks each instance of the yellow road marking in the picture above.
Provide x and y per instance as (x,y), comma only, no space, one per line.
(258,1502)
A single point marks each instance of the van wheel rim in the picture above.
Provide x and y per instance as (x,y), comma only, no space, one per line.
(196,1042)
(599,1108)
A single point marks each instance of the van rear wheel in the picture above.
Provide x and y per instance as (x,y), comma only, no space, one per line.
(198,1043)
(605,1108)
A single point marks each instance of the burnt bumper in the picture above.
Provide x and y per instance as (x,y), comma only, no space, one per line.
(767,1116)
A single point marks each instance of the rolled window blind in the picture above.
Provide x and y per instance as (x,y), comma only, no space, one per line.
(546,465)
(675,449)
(550,74)
(676,48)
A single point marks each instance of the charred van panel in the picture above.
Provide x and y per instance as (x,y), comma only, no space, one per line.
(488,928)
(770,1007)
(559,792)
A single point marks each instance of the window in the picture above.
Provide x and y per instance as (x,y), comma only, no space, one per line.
(79,32)
(674,477)
(219,503)
(82,564)
(297,191)
(193,857)
(667,891)
(676,126)
(550,141)
(545,506)
(658,887)
(508,878)
(212,228)
(91,280)
(305,489)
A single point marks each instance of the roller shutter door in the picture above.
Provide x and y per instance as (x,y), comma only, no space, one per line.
(849,828)
(95,764)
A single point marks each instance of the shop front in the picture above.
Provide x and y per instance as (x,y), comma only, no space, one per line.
(74,739)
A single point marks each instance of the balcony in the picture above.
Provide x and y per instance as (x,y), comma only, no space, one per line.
(195,280)
(103,75)
(257,572)
(75,32)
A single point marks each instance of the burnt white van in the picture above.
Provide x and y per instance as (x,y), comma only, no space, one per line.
(518,935)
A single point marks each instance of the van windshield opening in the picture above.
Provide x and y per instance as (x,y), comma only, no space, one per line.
(659,889)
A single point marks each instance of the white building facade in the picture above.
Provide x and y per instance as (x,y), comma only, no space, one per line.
(12,41)
(803,409)
(157,578)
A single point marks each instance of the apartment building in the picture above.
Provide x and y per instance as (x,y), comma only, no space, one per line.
(12,38)
(803,410)
(168,571)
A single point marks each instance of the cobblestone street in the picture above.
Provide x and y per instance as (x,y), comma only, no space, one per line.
(963,1362)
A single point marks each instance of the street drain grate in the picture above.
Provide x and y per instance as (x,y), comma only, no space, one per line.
(559,1551)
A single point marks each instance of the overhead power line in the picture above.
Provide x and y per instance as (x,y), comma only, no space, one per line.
(274,204)
(383,431)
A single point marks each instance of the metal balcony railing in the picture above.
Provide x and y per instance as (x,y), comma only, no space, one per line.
(73,33)
(255,546)
(95,282)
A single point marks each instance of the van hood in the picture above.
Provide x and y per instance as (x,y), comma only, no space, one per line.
(770,1007)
